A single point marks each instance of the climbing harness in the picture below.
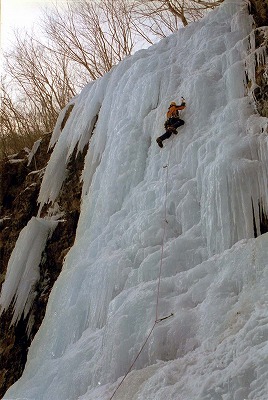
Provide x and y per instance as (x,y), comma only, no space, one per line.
(157,319)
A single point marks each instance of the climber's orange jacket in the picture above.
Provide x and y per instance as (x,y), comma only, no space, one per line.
(173,110)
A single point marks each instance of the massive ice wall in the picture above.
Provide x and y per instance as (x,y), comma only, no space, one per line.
(103,304)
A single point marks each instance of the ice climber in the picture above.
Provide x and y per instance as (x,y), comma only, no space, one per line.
(173,121)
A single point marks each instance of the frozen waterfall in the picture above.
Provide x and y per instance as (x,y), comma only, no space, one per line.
(214,275)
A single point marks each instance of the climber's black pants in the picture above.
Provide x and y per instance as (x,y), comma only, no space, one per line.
(168,132)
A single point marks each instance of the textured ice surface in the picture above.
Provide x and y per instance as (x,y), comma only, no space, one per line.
(214,276)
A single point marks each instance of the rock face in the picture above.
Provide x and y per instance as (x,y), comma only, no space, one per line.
(20,187)
(259,9)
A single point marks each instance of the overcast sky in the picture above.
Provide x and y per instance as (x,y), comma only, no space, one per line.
(20,14)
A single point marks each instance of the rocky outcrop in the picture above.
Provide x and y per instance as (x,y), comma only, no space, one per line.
(20,184)
(259,10)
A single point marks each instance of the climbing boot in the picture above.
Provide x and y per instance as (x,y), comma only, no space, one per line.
(159,142)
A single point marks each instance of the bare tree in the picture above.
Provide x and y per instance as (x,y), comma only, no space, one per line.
(37,86)
(191,10)
(82,43)
(19,127)
(96,35)
(41,76)
(155,16)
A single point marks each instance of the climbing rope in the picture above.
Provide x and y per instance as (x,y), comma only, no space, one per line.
(164,232)
(157,319)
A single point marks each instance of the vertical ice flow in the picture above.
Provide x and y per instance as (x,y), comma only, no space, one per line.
(23,267)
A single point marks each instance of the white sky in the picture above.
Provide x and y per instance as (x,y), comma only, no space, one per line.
(20,14)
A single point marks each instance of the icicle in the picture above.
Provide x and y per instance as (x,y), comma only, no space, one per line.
(23,267)
(33,151)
